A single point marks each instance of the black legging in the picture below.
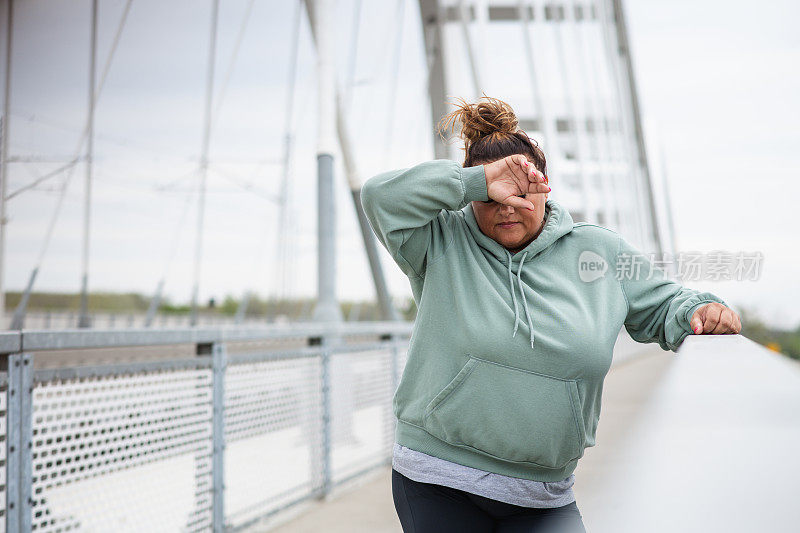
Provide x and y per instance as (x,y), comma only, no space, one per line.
(431,508)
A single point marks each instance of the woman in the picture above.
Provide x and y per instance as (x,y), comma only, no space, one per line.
(491,425)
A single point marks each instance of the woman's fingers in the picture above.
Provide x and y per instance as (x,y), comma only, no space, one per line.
(534,177)
(538,188)
(715,319)
(518,166)
(518,203)
(530,174)
(726,322)
(519,159)
(516,176)
(533,174)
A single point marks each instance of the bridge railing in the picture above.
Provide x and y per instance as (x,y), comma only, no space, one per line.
(190,429)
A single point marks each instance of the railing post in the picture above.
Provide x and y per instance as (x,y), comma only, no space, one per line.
(19,442)
(325,342)
(219,367)
(391,338)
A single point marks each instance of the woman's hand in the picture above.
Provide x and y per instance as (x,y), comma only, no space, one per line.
(716,319)
(512,176)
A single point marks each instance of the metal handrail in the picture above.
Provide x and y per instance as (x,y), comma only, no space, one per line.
(77,338)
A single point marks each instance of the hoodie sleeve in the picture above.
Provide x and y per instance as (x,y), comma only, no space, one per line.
(408,209)
(659,309)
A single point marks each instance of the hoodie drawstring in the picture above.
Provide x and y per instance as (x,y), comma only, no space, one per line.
(514,297)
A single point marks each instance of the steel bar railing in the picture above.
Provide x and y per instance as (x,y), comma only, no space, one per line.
(111,430)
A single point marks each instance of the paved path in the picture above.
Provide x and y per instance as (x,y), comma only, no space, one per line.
(706,441)
(714,449)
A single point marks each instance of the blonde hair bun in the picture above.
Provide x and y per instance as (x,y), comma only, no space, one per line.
(481,119)
(490,130)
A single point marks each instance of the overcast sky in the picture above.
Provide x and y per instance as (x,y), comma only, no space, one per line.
(718,83)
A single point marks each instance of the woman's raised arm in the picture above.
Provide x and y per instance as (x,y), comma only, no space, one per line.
(409,209)
(659,309)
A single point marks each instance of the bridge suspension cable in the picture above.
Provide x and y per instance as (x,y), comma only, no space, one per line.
(19,312)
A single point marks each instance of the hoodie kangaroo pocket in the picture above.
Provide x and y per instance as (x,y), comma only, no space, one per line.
(509,413)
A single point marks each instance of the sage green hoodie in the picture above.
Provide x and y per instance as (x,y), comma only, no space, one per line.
(508,353)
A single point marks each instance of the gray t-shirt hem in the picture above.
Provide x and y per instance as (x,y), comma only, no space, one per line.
(425,468)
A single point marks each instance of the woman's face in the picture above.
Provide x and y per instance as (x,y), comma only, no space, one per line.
(513,228)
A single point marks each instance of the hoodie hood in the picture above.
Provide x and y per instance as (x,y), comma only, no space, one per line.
(558,222)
